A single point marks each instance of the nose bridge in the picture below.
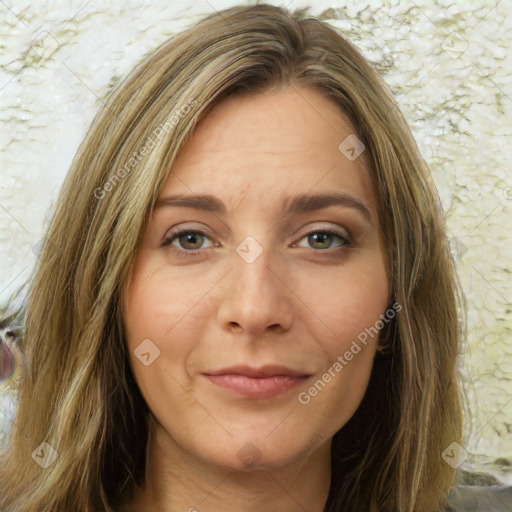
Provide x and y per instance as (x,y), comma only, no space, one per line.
(255,297)
(253,268)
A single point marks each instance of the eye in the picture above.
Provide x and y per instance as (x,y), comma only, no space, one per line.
(189,240)
(324,239)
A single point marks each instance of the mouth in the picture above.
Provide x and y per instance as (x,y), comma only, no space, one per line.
(257,383)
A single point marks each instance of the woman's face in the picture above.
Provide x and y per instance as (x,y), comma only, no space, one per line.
(242,313)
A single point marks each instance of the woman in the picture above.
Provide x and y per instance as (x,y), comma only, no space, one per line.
(255,369)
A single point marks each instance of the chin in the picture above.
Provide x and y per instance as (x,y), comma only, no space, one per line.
(261,453)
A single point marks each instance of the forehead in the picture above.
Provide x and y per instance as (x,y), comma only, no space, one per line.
(268,146)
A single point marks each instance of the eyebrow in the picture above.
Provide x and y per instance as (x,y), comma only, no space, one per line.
(291,204)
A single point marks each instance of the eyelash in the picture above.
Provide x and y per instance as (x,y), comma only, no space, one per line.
(346,242)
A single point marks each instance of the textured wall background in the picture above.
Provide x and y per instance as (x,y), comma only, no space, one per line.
(448,64)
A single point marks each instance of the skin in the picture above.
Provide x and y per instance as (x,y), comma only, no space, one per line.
(301,303)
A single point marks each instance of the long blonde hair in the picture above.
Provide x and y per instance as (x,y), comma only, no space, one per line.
(77,392)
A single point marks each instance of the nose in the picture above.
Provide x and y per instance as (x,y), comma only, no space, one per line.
(256,297)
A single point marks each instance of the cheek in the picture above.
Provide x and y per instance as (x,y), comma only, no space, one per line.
(354,319)
(347,304)
(351,308)
(156,301)
(150,311)
(161,321)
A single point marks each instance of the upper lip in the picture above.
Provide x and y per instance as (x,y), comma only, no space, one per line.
(269,370)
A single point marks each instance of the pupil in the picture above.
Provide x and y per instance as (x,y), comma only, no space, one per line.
(320,237)
(190,238)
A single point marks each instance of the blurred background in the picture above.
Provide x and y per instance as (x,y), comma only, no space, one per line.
(449,67)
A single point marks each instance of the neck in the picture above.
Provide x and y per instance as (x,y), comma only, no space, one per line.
(177,481)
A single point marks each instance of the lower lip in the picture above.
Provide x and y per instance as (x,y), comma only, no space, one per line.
(267,387)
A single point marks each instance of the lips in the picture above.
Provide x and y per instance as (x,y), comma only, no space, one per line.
(257,383)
